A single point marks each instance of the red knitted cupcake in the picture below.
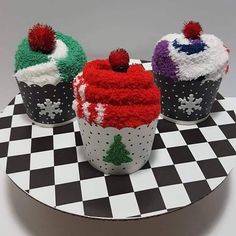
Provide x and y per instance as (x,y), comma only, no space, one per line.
(113,97)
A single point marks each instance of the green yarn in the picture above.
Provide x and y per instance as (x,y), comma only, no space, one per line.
(70,66)
(117,153)
(26,57)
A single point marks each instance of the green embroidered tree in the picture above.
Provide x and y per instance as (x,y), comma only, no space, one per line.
(117,153)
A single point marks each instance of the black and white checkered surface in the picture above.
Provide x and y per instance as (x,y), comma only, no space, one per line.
(187,163)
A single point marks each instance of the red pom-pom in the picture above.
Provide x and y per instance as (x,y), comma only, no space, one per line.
(119,60)
(192,30)
(42,38)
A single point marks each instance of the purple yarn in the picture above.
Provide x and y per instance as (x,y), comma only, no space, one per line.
(162,62)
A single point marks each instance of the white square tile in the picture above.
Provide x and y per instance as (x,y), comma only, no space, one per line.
(93,188)
(212,133)
(160,157)
(40,160)
(143,179)
(73,208)
(174,196)
(147,65)
(3,163)
(214,182)
(66,173)
(45,195)
(81,156)
(228,104)
(135,61)
(228,163)
(76,126)
(154,213)
(38,131)
(202,151)
(8,111)
(233,142)
(222,118)
(20,120)
(18,99)
(21,179)
(5,135)
(124,205)
(186,127)
(64,140)
(189,172)
(173,139)
(19,147)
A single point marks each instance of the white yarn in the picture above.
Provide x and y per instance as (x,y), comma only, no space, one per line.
(81,89)
(44,73)
(86,112)
(100,109)
(209,63)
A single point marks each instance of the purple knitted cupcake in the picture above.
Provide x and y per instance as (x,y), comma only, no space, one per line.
(188,68)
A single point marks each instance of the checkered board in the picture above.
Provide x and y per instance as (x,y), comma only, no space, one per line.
(186,164)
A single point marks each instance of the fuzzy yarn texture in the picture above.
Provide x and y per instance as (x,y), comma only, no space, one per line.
(68,66)
(177,57)
(192,30)
(114,99)
(42,38)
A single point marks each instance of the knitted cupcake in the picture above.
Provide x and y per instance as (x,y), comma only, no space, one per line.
(46,63)
(117,107)
(188,68)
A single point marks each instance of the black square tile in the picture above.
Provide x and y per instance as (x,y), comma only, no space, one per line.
(78,139)
(222,148)
(65,156)
(150,200)
(41,177)
(197,190)
(180,154)
(146,166)
(166,126)
(86,171)
(42,144)
(229,130)
(232,114)
(216,107)
(19,109)
(68,193)
(157,143)
(118,184)
(219,96)
(193,136)
(98,207)
(63,129)
(166,175)
(18,133)
(18,163)
(145,61)
(212,168)
(3,149)
(206,123)
(12,102)
(5,122)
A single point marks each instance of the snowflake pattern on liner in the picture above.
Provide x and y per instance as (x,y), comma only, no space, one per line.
(50,108)
(190,104)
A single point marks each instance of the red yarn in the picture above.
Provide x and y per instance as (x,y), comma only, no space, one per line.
(192,30)
(42,38)
(119,60)
(130,99)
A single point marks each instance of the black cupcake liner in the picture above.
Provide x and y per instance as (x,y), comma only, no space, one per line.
(49,105)
(186,102)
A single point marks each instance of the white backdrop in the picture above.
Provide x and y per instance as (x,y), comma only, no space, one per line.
(101,26)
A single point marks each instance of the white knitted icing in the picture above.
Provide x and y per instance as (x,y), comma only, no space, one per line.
(209,63)
(44,73)
(41,74)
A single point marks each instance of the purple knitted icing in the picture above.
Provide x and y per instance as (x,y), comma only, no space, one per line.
(162,62)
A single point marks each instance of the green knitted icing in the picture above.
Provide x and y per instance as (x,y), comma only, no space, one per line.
(68,67)
(26,57)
